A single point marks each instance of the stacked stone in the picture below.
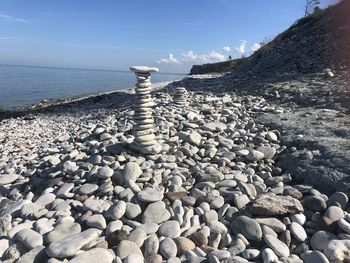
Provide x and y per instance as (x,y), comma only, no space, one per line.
(180,97)
(145,139)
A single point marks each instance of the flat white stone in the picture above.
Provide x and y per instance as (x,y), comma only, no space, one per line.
(298,232)
(146,138)
(277,246)
(126,247)
(143,69)
(150,195)
(63,230)
(68,246)
(94,255)
(29,238)
(8,178)
(170,229)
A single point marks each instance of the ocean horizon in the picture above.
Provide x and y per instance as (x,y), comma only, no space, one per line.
(23,86)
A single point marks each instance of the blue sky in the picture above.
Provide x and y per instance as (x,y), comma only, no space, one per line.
(114,34)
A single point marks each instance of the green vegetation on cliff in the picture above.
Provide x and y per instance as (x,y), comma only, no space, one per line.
(225,66)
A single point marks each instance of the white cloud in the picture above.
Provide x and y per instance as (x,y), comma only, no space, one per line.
(215,57)
(255,47)
(169,60)
(13,19)
(211,57)
(227,49)
(242,47)
(191,57)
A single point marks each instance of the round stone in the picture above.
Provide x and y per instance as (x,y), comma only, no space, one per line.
(199,238)
(70,167)
(314,203)
(96,205)
(170,229)
(277,246)
(116,211)
(132,210)
(345,225)
(340,198)
(273,223)
(8,178)
(314,257)
(217,202)
(195,138)
(154,258)
(334,213)
(144,132)
(251,253)
(151,245)
(217,227)
(29,238)
(155,213)
(94,255)
(248,227)
(150,195)
(126,247)
(320,240)
(63,230)
(133,258)
(96,221)
(5,225)
(271,136)
(210,215)
(131,171)
(184,244)
(138,236)
(268,255)
(298,218)
(115,237)
(105,172)
(87,189)
(254,155)
(269,152)
(149,228)
(168,248)
(145,138)
(298,232)
(4,245)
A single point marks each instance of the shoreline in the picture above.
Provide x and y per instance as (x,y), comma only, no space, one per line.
(47,103)
(70,100)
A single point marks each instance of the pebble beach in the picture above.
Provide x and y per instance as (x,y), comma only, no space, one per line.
(72,189)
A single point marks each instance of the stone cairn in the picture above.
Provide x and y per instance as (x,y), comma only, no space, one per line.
(180,97)
(145,139)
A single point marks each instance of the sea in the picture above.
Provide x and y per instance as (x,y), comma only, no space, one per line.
(23,86)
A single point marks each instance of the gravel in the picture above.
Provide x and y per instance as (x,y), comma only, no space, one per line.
(76,191)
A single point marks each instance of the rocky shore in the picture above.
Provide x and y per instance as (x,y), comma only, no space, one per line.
(72,190)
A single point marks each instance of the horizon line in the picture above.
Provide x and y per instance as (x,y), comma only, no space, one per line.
(92,69)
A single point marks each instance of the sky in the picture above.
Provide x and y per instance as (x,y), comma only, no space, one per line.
(115,34)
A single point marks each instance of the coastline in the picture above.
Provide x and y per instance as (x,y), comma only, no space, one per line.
(43,105)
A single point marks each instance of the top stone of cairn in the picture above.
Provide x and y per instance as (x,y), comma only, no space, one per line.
(143,69)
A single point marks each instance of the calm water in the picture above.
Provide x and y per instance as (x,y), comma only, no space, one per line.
(22,86)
